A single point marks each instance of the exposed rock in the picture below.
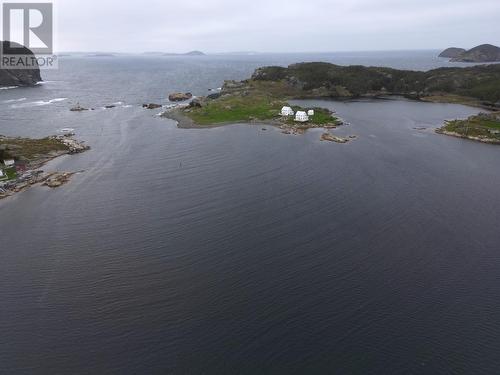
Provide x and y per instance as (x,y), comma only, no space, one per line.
(479,54)
(214,96)
(195,103)
(333,138)
(151,106)
(78,108)
(109,106)
(452,52)
(57,179)
(74,146)
(19,77)
(179,97)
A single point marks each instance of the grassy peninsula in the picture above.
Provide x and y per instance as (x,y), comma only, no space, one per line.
(484,127)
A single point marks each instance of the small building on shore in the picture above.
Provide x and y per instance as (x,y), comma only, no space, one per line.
(9,162)
(287,111)
(310,112)
(301,116)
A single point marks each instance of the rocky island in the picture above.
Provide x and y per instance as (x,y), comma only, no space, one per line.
(19,77)
(481,54)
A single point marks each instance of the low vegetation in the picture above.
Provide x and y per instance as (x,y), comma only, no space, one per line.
(479,84)
(485,127)
(233,108)
(29,149)
(251,106)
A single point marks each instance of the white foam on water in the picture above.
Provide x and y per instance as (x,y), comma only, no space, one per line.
(14,100)
(8,87)
(38,103)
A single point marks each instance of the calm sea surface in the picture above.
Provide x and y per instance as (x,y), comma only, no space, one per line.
(241,251)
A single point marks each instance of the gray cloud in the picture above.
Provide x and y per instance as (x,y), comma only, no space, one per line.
(274,25)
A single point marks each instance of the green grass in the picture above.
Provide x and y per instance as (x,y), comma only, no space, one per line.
(477,126)
(11,173)
(236,109)
(251,107)
(30,149)
(321,116)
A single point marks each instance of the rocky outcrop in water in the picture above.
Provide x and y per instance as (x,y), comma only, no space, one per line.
(179,96)
(19,77)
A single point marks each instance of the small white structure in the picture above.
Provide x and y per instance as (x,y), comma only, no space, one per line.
(287,111)
(301,116)
(1,173)
(9,162)
(310,112)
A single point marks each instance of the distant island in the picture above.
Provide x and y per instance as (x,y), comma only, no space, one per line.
(480,54)
(19,77)
(452,52)
(191,53)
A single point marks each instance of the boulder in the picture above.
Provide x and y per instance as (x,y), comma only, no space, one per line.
(151,106)
(195,103)
(179,97)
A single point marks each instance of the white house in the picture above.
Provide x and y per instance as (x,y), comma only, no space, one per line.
(310,112)
(9,162)
(1,173)
(301,116)
(287,111)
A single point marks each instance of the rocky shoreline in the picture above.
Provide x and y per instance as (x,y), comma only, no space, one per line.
(469,137)
(31,174)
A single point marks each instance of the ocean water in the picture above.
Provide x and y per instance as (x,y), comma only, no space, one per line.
(236,250)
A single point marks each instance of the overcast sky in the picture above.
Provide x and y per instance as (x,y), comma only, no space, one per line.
(274,25)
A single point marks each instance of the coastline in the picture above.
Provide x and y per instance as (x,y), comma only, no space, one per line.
(468,137)
(33,175)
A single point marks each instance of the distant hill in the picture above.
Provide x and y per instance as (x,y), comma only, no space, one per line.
(313,80)
(191,53)
(452,52)
(482,53)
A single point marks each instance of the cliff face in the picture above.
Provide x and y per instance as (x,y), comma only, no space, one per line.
(323,79)
(479,54)
(452,52)
(19,77)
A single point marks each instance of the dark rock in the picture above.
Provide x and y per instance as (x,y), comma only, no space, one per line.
(78,108)
(19,77)
(151,106)
(179,97)
(213,96)
(195,103)
(109,106)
